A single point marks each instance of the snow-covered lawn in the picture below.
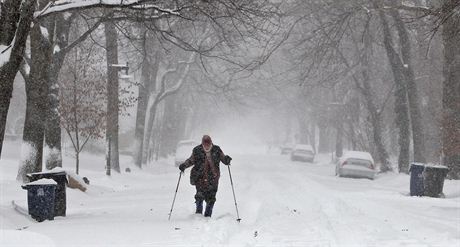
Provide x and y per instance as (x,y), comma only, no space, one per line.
(281,203)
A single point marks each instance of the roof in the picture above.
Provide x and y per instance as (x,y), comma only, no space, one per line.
(303,147)
(358,155)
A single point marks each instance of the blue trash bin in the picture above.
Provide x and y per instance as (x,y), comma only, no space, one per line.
(40,199)
(416,179)
(60,177)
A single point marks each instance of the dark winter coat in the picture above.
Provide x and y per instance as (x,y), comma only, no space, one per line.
(197,160)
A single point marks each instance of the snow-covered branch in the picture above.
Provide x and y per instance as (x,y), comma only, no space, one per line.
(413,8)
(180,82)
(163,91)
(69,5)
(81,38)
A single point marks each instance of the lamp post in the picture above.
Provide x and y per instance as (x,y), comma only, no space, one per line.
(112,156)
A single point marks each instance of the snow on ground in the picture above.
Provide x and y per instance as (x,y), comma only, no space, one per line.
(281,203)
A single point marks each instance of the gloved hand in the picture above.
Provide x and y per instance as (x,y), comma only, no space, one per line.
(227,160)
(182,167)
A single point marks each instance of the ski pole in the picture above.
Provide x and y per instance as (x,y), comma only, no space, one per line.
(234,197)
(177,187)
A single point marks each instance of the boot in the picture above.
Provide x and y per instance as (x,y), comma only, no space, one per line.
(199,207)
(208,211)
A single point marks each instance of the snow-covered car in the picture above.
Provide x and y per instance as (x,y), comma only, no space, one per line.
(356,164)
(302,152)
(183,151)
(287,148)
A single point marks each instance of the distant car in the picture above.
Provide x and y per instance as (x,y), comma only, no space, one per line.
(287,148)
(303,153)
(356,164)
(183,151)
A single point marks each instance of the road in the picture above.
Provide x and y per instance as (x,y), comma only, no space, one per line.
(281,203)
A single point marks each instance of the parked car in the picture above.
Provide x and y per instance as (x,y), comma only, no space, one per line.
(287,148)
(183,151)
(356,164)
(303,152)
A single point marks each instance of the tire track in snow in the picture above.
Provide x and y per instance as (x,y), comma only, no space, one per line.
(282,206)
(346,217)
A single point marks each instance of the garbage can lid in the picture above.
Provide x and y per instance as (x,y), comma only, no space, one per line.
(436,166)
(418,164)
(43,181)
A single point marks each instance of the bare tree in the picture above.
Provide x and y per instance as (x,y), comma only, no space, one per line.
(149,70)
(401,103)
(164,91)
(37,98)
(82,100)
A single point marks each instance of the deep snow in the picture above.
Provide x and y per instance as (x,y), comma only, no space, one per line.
(281,203)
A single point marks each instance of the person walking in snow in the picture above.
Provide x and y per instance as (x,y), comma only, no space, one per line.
(205,173)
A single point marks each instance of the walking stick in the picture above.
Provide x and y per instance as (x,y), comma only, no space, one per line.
(234,198)
(177,187)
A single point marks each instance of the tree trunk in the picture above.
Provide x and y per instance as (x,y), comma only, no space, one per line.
(148,134)
(9,17)
(142,100)
(401,108)
(418,136)
(323,146)
(303,130)
(53,123)
(313,135)
(163,93)
(339,140)
(37,102)
(9,70)
(75,118)
(451,96)
(375,114)
(170,126)
(77,163)
(376,121)
(353,120)
(148,84)
(52,131)
(112,96)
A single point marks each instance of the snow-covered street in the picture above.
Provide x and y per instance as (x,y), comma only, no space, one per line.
(333,123)
(281,203)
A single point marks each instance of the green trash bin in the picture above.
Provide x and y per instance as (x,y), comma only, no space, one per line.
(434,180)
